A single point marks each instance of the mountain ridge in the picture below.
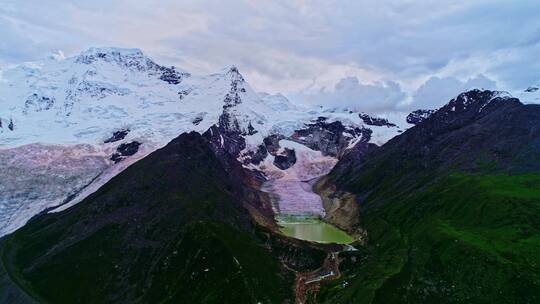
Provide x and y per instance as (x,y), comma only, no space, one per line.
(448,208)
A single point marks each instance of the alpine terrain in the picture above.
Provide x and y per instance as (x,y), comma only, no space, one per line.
(125,181)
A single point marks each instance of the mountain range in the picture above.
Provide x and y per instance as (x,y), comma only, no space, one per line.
(71,124)
(125,181)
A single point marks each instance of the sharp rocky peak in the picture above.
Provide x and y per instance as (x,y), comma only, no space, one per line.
(234,74)
(476,100)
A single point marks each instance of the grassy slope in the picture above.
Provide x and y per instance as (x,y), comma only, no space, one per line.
(166,230)
(464,239)
(209,262)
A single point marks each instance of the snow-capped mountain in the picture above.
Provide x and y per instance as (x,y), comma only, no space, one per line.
(530,94)
(81,120)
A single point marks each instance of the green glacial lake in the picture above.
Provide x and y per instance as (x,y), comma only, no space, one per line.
(314,230)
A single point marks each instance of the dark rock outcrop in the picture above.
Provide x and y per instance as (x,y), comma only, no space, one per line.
(171,75)
(125,150)
(375,121)
(285,159)
(331,138)
(38,103)
(417,116)
(117,135)
(272,143)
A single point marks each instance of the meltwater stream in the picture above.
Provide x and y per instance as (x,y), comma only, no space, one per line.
(297,207)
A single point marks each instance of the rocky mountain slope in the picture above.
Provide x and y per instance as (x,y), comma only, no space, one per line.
(175,227)
(450,208)
(92,115)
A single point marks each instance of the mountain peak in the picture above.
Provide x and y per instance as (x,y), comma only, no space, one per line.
(234,74)
(476,100)
(104,51)
(124,57)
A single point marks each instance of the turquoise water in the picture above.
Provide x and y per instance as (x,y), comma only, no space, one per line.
(313,230)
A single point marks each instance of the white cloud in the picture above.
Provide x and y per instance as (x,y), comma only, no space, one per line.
(350,93)
(436,91)
(288,46)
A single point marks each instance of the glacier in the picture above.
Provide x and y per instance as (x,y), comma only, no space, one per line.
(58,114)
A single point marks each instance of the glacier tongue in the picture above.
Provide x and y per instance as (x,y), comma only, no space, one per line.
(292,186)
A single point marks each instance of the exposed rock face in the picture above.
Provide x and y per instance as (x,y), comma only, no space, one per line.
(38,103)
(342,208)
(375,121)
(417,116)
(272,143)
(124,150)
(223,139)
(285,159)
(117,136)
(171,75)
(331,138)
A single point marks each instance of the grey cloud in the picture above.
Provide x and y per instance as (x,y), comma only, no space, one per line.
(436,91)
(284,45)
(350,93)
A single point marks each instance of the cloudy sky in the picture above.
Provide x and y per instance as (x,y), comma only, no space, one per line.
(379,57)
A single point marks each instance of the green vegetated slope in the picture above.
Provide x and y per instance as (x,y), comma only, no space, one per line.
(448,227)
(171,228)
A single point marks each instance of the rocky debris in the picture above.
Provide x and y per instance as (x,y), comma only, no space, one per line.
(331,138)
(531,89)
(417,116)
(285,159)
(117,135)
(125,150)
(375,121)
(11,125)
(38,103)
(171,75)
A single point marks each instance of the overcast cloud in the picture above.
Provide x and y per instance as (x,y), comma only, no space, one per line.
(380,56)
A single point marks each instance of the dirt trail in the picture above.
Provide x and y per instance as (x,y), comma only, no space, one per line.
(308,283)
